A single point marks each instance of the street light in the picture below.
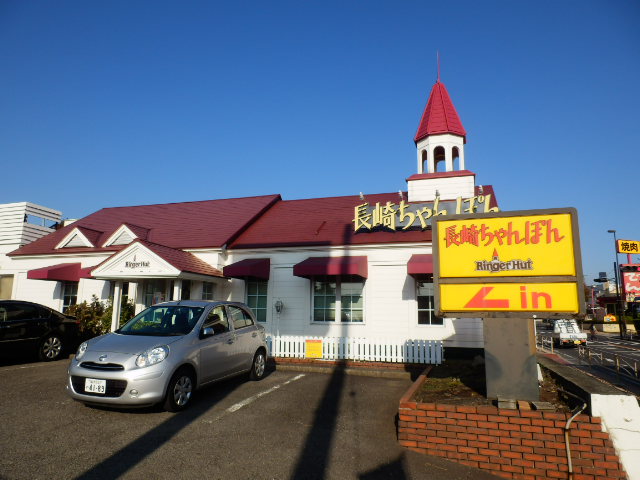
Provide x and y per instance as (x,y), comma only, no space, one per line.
(623,326)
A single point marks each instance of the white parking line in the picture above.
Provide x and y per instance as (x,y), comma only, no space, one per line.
(11,369)
(247,401)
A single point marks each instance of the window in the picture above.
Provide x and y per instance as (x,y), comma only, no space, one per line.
(208,290)
(240,318)
(217,320)
(257,298)
(338,296)
(69,295)
(424,295)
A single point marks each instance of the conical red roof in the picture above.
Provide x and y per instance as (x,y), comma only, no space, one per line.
(440,115)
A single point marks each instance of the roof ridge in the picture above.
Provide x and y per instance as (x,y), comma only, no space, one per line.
(274,195)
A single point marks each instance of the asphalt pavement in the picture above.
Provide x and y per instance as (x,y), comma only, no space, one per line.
(290,425)
(611,345)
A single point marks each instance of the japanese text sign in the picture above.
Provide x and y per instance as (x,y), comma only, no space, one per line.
(628,246)
(405,216)
(501,264)
(507,247)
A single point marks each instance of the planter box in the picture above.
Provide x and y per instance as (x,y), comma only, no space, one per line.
(508,443)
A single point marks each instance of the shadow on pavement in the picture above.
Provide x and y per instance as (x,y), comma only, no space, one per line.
(135,452)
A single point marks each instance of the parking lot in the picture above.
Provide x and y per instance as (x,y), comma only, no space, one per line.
(290,425)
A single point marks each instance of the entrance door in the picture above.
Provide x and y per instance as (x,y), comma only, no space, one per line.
(155,291)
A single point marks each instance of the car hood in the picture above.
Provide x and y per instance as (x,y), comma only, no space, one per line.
(133,344)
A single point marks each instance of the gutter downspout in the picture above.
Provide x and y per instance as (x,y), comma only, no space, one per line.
(576,412)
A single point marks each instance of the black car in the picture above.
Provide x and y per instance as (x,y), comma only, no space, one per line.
(30,327)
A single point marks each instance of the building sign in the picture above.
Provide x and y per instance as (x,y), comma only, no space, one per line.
(507,246)
(412,216)
(502,264)
(631,283)
(313,349)
(628,246)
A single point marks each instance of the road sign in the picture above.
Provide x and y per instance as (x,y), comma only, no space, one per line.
(506,263)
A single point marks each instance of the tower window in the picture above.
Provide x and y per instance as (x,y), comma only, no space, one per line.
(456,158)
(438,157)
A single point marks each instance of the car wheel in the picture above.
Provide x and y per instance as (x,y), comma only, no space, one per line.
(258,366)
(50,348)
(179,391)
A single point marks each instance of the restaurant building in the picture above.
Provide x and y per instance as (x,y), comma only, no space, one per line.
(352,266)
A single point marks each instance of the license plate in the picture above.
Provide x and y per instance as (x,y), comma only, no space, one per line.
(577,342)
(95,385)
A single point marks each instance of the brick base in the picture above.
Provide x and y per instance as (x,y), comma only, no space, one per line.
(520,444)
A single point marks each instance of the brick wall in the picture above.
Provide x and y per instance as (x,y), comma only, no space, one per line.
(520,444)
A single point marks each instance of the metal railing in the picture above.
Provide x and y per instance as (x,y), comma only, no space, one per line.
(622,366)
(544,343)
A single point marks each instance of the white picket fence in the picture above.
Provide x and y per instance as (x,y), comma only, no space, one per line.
(363,349)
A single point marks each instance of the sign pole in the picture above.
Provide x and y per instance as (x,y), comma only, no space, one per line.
(510,358)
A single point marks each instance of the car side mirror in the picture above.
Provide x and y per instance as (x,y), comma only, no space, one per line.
(207,332)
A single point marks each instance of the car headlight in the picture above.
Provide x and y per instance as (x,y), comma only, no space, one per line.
(152,356)
(81,349)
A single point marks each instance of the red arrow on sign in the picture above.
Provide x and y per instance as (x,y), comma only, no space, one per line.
(480,300)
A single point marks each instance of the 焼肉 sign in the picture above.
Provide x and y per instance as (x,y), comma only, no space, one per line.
(499,264)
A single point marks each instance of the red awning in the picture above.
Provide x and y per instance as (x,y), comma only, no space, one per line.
(63,272)
(420,264)
(250,268)
(317,266)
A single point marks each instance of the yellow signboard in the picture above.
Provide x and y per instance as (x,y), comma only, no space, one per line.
(509,246)
(509,297)
(628,246)
(501,264)
(313,349)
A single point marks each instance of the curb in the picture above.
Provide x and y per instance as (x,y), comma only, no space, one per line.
(357,371)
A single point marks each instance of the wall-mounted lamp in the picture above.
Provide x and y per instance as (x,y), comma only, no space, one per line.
(278,306)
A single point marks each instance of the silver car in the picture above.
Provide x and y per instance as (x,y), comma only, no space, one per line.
(166,352)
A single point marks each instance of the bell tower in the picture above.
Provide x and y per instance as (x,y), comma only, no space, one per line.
(440,141)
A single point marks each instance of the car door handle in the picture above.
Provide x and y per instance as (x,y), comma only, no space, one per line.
(230,341)
(254,334)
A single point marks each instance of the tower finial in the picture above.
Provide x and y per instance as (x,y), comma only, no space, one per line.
(438,61)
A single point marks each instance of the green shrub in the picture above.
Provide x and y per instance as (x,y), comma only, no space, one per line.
(95,317)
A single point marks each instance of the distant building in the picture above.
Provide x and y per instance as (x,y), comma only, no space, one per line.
(21,223)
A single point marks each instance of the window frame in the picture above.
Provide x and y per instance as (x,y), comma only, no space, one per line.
(433,316)
(338,279)
(213,291)
(64,295)
(257,296)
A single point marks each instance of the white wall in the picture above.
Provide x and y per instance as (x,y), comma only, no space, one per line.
(424,190)
(390,298)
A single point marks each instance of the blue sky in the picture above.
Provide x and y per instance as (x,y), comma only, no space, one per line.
(127,103)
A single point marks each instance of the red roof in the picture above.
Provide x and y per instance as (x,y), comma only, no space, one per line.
(90,234)
(183,261)
(319,222)
(440,116)
(205,224)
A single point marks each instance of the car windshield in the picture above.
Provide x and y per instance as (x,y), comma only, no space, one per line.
(163,320)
